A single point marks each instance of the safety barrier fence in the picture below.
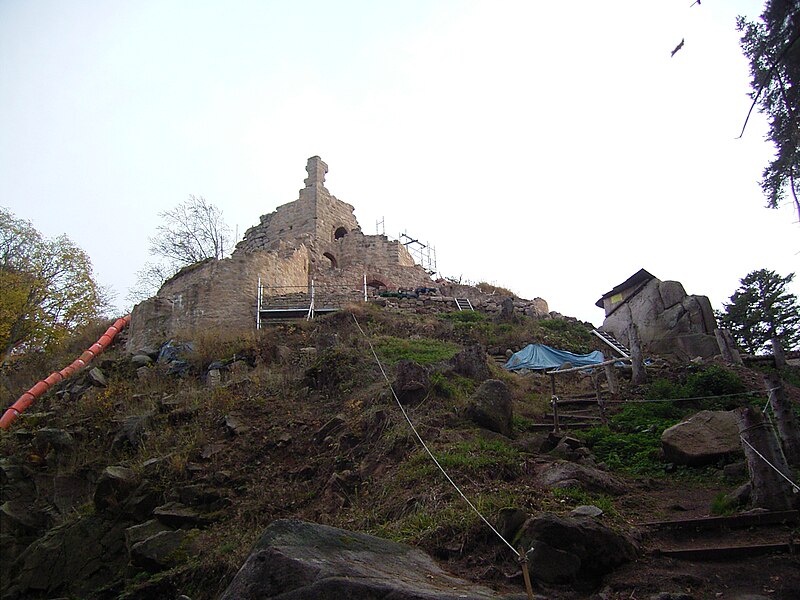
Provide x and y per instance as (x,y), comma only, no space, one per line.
(26,399)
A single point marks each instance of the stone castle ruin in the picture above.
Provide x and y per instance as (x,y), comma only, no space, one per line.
(312,253)
(312,241)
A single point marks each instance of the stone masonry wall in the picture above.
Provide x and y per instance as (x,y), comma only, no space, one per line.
(314,216)
(216,295)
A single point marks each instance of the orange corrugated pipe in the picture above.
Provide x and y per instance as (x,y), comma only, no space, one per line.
(84,359)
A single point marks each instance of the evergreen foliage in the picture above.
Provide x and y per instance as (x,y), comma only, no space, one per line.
(773,49)
(762,309)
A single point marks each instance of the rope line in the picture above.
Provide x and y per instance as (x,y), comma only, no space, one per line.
(425,446)
(774,468)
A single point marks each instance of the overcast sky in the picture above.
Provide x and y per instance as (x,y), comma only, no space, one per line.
(551,148)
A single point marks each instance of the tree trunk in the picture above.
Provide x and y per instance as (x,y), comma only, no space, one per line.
(770,490)
(778,353)
(788,428)
(638,376)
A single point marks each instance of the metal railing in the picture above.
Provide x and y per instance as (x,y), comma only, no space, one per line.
(287,301)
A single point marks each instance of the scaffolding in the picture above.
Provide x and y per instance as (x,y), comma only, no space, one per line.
(423,254)
(290,302)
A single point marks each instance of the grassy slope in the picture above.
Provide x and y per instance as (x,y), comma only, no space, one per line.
(364,470)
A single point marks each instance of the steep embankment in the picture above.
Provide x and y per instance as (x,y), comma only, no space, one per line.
(156,475)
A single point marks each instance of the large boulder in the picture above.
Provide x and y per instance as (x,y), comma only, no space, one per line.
(564,474)
(702,439)
(295,560)
(573,550)
(411,382)
(72,560)
(669,321)
(490,407)
(471,362)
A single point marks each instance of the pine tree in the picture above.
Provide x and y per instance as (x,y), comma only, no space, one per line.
(762,309)
(773,48)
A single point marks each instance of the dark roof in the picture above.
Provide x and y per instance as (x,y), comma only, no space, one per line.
(640,276)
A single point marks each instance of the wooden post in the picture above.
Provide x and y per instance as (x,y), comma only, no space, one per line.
(778,353)
(526,576)
(554,402)
(611,378)
(788,428)
(638,375)
(599,395)
(770,490)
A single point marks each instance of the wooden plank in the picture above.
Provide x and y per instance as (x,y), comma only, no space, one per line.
(725,552)
(765,518)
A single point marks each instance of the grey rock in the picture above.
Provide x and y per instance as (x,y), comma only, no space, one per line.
(411,382)
(141,360)
(132,431)
(72,491)
(509,520)
(236,424)
(177,515)
(471,362)
(490,407)
(552,565)
(19,516)
(139,533)
(668,320)
(702,439)
(213,378)
(586,510)
(76,559)
(569,474)
(295,560)
(57,444)
(163,550)
(97,377)
(735,471)
(597,548)
(113,488)
(741,495)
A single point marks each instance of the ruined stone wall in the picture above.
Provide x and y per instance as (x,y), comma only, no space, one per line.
(314,217)
(375,251)
(332,214)
(290,222)
(214,295)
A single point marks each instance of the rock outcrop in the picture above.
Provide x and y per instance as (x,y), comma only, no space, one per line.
(491,407)
(669,321)
(573,550)
(296,559)
(702,439)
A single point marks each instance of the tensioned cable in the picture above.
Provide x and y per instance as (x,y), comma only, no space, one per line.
(776,469)
(425,446)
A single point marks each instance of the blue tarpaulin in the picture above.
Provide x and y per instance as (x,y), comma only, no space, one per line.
(539,356)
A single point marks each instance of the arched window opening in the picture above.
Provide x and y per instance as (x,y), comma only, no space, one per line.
(331,258)
(339,233)
(376,284)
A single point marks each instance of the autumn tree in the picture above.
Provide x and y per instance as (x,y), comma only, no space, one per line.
(760,310)
(191,232)
(48,289)
(773,47)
